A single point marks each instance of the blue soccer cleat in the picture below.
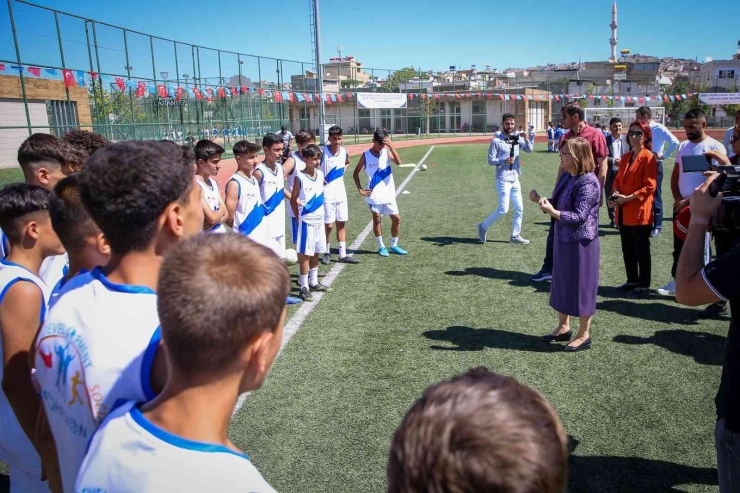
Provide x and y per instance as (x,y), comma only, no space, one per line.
(292,300)
(383,252)
(398,250)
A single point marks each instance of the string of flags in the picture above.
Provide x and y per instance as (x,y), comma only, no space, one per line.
(142,89)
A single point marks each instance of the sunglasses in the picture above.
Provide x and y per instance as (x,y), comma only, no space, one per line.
(635,134)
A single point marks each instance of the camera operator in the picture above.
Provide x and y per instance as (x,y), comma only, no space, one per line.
(504,154)
(697,284)
(287,141)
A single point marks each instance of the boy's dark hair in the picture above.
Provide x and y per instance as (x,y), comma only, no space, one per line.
(18,201)
(304,136)
(69,218)
(311,151)
(205,150)
(644,111)
(507,116)
(216,294)
(284,128)
(335,130)
(379,135)
(125,187)
(46,148)
(85,140)
(614,120)
(479,432)
(270,139)
(245,147)
(573,108)
(695,114)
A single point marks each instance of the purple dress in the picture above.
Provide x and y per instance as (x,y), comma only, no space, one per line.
(575,275)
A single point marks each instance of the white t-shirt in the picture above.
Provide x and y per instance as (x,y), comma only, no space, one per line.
(727,143)
(15,448)
(311,196)
(129,453)
(272,190)
(213,199)
(380,178)
(300,165)
(249,214)
(97,346)
(52,268)
(687,182)
(333,168)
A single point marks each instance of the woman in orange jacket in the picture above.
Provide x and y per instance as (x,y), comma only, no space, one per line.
(632,195)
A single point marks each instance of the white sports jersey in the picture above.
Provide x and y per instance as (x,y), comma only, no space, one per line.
(333,168)
(52,268)
(300,165)
(250,212)
(311,196)
(96,347)
(380,178)
(15,447)
(272,190)
(213,198)
(131,454)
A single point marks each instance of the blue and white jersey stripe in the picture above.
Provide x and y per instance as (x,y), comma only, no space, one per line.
(312,197)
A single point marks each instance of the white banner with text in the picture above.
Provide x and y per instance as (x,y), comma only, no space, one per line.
(378,100)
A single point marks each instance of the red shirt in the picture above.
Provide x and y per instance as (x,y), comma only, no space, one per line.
(594,137)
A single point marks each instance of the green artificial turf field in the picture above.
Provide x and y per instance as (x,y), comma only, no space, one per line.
(638,406)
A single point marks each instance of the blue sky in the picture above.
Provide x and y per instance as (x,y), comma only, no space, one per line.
(432,34)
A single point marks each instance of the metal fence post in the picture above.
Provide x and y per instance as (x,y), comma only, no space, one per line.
(18,58)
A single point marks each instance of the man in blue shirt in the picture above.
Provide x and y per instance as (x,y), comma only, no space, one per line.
(661,137)
(504,154)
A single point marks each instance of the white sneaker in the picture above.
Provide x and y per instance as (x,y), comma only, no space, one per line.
(482,233)
(519,239)
(668,290)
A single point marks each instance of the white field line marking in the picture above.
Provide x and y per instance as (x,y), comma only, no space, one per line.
(296,321)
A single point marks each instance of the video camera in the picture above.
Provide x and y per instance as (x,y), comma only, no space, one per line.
(513,139)
(727,217)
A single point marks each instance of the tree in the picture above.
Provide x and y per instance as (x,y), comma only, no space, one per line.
(731,109)
(398,77)
(350,83)
(583,102)
(428,107)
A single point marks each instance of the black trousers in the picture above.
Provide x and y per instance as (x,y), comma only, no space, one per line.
(636,253)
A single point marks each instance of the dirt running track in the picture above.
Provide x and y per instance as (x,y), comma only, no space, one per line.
(228,166)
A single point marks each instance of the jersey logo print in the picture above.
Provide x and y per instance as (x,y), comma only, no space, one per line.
(64,361)
(47,357)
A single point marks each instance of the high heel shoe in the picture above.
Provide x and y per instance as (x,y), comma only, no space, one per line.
(558,338)
(581,347)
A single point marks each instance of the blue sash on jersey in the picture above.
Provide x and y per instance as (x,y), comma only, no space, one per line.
(334,174)
(313,204)
(273,202)
(254,218)
(379,176)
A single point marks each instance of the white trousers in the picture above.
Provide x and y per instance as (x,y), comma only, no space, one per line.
(508,192)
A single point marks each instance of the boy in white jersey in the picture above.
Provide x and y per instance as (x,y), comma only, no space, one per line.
(45,160)
(381,189)
(24,216)
(292,165)
(86,245)
(208,159)
(243,199)
(100,342)
(222,307)
(334,162)
(307,203)
(271,178)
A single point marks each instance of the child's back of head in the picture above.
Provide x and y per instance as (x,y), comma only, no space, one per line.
(21,203)
(84,140)
(217,295)
(479,432)
(46,159)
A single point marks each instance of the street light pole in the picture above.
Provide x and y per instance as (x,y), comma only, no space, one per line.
(166,103)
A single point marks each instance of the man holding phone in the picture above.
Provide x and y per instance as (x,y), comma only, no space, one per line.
(684,182)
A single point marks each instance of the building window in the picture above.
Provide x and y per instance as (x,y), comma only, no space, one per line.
(62,116)
(385,119)
(726,74)
(364,121)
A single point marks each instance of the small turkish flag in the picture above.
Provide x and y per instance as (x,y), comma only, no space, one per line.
(161,91)
(140,89)
(69,79)
(178,94)
(120,83)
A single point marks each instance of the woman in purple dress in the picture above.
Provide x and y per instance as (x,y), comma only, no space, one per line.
(575,277)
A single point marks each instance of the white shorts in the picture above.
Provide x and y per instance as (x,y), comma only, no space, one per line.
(336,211)
(276,244)
(311,239)
(385,209)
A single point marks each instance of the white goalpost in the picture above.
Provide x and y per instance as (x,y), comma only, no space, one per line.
(627,115)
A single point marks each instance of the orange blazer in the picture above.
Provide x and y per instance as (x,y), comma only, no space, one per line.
(639,178)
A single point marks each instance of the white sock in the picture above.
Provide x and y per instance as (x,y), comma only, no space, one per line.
(342,249)
(394,241)
(303,280)
(379,239)
(313,276)
(328,247)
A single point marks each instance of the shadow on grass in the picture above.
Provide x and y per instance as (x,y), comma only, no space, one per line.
(518,279)
(470,339)
(453,240)
(705,348)
(654,312)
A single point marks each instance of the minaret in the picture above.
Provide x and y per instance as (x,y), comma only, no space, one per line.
(613,41)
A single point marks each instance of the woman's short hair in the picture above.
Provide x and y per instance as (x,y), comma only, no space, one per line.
(583,158)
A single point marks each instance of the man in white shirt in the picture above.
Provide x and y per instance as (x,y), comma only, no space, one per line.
(661,137)
(684,184)
(616,144)
(726,141)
